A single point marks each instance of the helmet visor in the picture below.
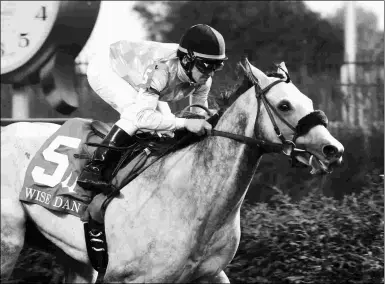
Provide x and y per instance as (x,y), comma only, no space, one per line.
(207,67)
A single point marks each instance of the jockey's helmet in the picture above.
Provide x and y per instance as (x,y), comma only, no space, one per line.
(204,48)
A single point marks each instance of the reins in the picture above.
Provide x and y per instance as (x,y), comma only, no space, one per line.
(255,142)
(287,147)
(268,146)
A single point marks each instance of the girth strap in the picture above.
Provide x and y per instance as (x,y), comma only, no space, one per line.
(96,244)
(94,225)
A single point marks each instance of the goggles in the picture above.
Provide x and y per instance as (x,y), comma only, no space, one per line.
(207,67)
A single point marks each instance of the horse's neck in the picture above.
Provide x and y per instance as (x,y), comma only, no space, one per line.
(233,162)
(239,118)
(212,174)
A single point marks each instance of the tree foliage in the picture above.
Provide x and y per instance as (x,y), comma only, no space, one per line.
(267,31)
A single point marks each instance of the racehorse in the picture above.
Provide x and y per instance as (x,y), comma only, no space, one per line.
(179,220)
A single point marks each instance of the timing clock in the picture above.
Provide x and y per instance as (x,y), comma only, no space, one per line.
(33,31)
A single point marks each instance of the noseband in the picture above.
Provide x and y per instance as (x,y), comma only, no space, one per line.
(287,147)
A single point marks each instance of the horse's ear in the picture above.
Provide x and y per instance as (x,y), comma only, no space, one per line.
(255,75)
(263,80)
(282,69)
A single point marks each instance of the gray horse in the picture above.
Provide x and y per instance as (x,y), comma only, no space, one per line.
(179,221)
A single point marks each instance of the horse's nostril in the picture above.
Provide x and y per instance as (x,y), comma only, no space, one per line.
(330,151)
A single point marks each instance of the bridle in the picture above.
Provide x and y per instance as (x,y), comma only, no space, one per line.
(287,147)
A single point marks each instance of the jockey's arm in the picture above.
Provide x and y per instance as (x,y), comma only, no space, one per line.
(163,107)
(144,113)
(109,83)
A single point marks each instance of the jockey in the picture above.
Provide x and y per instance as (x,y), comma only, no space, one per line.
(171,72)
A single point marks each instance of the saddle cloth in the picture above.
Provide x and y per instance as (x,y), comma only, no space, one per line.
(51,176)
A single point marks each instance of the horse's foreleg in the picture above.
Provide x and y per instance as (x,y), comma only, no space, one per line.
(12,234)
(221,277)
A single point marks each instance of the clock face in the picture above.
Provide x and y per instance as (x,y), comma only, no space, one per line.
(25,25)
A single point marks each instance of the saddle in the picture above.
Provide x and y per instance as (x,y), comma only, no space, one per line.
(132,163)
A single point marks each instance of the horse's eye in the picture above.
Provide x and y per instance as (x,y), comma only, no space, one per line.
(284,106)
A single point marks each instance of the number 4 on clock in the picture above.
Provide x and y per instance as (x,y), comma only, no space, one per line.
(42,14)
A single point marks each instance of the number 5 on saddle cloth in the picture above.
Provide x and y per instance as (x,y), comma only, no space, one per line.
(51,177)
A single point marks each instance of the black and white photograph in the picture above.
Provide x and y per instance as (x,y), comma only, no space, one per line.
(192,142)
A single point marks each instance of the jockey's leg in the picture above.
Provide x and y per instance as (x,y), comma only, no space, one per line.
(97,174)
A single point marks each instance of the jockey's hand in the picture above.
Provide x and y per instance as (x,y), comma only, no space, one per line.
(198,126)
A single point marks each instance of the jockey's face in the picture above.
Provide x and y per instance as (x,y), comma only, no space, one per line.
(199,77)
(204,69)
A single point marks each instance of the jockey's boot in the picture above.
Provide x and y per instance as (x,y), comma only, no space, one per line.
(97,174)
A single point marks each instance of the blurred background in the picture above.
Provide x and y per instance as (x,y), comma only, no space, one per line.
(334,52)
(339,64)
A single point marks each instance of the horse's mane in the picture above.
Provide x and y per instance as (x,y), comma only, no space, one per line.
(238,90)
(182,138)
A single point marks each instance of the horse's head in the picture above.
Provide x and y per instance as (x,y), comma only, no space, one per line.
(287,116)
